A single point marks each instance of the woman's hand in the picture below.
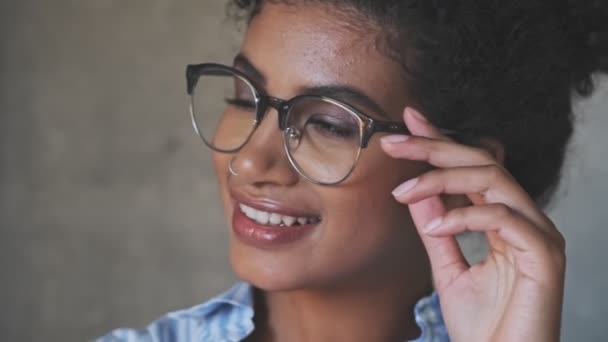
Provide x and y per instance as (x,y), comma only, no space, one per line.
(516,293)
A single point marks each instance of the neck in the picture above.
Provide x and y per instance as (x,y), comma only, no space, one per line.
(376,311)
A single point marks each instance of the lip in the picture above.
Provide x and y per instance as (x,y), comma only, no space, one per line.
(267,237)
(266,204)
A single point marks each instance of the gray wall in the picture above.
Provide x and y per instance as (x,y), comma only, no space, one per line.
(108,214)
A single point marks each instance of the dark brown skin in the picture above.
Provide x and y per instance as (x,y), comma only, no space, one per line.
(358,276)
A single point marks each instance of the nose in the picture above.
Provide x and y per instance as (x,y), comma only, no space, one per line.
(280,106)
(262,160)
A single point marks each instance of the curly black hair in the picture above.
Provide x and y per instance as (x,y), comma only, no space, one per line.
(508,70)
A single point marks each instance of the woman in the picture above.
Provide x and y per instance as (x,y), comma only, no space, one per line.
(400,124)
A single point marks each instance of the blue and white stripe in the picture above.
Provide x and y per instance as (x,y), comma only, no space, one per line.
(229,318)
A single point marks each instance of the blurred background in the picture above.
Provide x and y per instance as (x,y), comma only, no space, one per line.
(108,207)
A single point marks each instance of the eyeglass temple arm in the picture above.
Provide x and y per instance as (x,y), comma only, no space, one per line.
(390,127)
(400,127)
(194,71)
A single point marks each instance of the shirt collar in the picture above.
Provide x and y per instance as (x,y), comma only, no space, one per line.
(228,315)
(238,297)
(234,310)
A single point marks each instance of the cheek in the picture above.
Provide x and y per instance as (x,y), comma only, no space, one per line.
(368,235)
(379,174)
(365,215)
(369,208)
(220,164)
(376,177)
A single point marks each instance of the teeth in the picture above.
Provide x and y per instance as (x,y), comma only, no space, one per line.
(289,221)
(262,217)
(275,219)
(245,210)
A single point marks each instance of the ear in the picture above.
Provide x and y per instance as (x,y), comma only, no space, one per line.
(497,150)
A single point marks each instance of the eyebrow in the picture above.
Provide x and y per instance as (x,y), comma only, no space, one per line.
(243,63)
(339,92)
(347,94)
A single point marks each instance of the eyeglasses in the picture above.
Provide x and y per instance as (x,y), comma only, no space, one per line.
(323,137)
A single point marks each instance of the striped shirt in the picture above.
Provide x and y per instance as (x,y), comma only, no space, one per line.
(229,318)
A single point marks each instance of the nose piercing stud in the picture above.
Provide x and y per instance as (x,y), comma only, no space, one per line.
(231,169)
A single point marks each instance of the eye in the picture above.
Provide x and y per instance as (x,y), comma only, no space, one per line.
(243,104)
(332,126)
(241,96)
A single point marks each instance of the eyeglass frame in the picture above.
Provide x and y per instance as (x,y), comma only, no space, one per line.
(368,125)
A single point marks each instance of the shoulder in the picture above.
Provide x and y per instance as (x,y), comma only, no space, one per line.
(226,317)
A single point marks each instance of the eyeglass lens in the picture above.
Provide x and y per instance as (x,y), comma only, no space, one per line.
(322,138)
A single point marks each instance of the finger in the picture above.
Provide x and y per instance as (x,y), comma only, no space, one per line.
(482,184)
(440,153)
(445,256)
(535,252)
(419,125)
(516,230)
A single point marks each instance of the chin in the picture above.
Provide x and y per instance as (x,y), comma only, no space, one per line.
(267,271)
(274,258)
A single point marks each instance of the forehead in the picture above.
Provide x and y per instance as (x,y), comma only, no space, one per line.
(297,46)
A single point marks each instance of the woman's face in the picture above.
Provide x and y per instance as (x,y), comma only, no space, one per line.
(363,235)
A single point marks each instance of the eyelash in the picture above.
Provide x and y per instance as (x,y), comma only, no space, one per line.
(333,129)
(243,104)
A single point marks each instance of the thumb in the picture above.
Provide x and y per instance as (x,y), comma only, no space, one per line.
(447,261)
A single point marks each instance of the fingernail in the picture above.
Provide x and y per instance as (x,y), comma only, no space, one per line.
(436,222)
(405,187)
(393,139)
(417,115)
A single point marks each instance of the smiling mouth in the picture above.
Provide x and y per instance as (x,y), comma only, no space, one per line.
(275,219)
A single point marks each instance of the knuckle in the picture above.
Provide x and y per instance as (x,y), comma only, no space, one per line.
(495,172)
(560,241)
(432,147)
(559,258)
(484,154)
(457,215)
(554,246)
(502,210)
